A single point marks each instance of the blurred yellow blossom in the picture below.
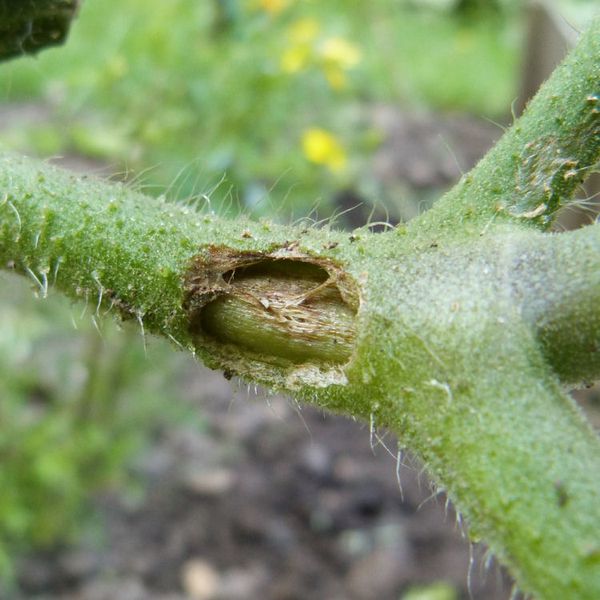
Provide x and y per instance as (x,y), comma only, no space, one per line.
(304,31)
(334,55)
(295,59)
(117,67)
(299,54)
(337,56)
(323,148)
(273,7)
(341,52)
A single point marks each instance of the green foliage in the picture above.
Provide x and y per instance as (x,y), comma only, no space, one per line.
(77,406)
(208,106)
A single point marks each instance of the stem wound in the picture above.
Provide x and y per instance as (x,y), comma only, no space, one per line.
(281,308)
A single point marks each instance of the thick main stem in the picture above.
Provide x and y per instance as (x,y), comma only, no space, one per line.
(454,364)
(445,351)
(119,250)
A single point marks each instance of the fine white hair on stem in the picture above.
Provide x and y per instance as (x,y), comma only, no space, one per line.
(44,275)
(136,182)
(85,306)
(298,410)
(43,288)
(398,465)
(452,154)
(175,341)
(489,223)
(140,321)
(17,215)
(100,293)
(264,202)
(110,307)
(55,270)
(437,491)
(372,432)
(515,592)
(488,560)
(381,442)
(513,112)
(503,128)
(470,571)
(445,387)
(446,507)
(459,524)
(96,325)
(205,196)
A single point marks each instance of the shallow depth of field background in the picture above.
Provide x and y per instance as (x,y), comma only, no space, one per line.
(126,469)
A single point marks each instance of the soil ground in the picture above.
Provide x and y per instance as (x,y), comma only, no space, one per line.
(268,501)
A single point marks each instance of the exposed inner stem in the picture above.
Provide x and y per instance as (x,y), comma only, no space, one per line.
(283,309)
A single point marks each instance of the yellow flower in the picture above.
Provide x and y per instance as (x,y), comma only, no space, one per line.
(295,59)
(117,67)
(321,147)
(333,55)
(273,7)
(335,77)
(339,52)
(299,54)
(336,56)
(304,31)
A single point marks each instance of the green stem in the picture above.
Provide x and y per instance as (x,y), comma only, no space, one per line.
(119,250)
(559,281)
(449,358)
(447,347)
(525,475)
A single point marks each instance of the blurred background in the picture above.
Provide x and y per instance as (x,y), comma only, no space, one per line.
(129,471)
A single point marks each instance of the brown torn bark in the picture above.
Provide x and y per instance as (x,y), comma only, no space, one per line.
(274,307)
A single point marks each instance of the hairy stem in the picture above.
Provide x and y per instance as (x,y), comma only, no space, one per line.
(450,359)
(121,251)
(453,344)
(559,281)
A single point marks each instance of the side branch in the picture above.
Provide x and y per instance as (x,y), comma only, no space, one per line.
(541,160)
(559,281)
